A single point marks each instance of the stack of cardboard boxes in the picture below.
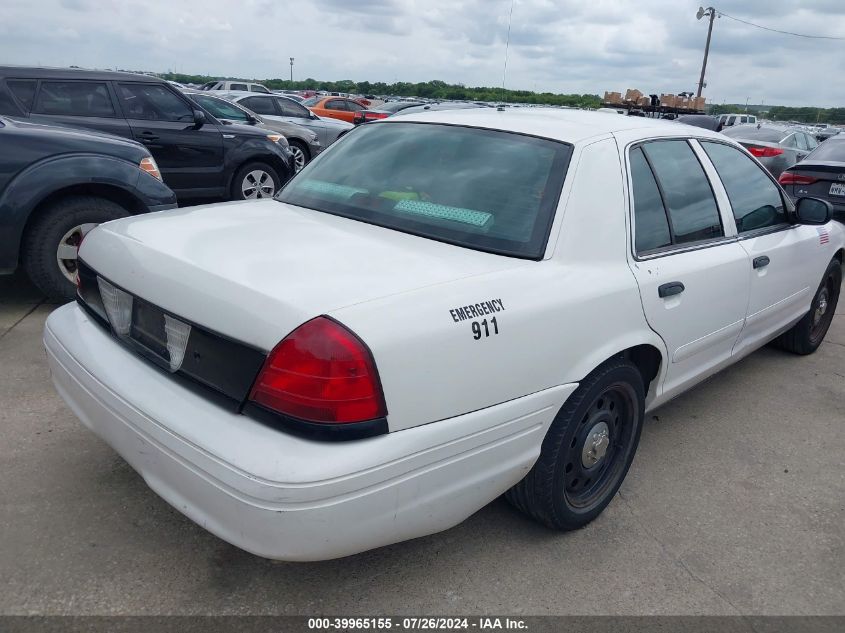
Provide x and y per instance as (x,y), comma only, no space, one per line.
(634,97)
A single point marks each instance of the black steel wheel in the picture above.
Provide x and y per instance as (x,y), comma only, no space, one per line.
(587,450)
(806,335)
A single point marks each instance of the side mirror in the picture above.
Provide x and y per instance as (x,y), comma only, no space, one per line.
(813,211)
(199,119)
(359,117)
(253,120)
(314,117)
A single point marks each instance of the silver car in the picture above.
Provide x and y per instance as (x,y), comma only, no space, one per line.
(278,108)
(304,144)
(777,147)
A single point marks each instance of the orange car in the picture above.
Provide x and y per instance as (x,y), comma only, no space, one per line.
(336,108)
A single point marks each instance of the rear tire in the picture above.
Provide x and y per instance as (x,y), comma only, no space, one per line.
(579,470)
(51,242)
(805,336)
(255,180)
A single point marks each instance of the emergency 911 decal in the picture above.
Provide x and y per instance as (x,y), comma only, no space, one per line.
(484,327)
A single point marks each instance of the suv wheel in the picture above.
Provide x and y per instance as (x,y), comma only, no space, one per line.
(300,154)
(255,180)
(52,242)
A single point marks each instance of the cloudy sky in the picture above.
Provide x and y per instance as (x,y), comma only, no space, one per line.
(583,46)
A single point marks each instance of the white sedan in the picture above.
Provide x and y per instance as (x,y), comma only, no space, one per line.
(439,309)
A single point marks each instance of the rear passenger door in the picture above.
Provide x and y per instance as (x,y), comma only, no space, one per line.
(785,259)
(190,158)
(81,104)
(692,275)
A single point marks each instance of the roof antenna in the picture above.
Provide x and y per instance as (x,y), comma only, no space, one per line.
(507,46)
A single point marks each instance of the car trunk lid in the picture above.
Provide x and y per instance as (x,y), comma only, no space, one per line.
(253,271)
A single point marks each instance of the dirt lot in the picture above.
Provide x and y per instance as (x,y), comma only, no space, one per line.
(735,504)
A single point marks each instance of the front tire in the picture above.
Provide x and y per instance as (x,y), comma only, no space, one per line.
(805,336)
(587,451)
(52,242)
(301,155)
(255,180)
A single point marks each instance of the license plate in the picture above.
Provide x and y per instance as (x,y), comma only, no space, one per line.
(837,189)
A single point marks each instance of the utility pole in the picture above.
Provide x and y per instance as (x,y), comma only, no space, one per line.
(291,71)
(701,13)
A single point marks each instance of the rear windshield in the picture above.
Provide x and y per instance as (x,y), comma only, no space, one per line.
(831,149)
(767,134)
(481,189)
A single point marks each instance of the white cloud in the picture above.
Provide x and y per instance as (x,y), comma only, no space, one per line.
(583,46)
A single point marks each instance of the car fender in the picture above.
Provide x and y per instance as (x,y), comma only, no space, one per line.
(39,180)
(554,324)
(258,149)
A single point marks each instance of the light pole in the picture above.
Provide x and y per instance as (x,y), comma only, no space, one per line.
(291,71)
(709,11)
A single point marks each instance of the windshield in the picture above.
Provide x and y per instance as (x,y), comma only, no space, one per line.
(395,106)
(831,149)
(481,189)
(221,109)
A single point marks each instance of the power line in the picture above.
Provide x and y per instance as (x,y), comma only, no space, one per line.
(766,28)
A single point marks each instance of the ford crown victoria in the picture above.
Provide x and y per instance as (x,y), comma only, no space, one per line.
(489,307)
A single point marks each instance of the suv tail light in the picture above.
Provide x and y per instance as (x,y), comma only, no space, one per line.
(321,372)
(790,178)
(765,152)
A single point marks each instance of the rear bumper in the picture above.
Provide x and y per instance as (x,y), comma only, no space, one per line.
(280,496)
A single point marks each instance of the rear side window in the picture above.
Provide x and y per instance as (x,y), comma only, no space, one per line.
(258,88)
(24,92)
(237,87)
(790,141)
(153,102)
(74,98)
(259,105)
(802,141)
(687,196)
(651,226)
(755,199)
(481,189)
(336,104)
(731,120)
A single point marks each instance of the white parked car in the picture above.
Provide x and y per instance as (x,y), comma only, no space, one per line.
(440,309)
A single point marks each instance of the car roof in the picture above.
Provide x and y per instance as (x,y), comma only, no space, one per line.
(26,72)
(567,125)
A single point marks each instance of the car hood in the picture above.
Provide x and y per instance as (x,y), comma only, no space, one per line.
(255,270)
(76,133)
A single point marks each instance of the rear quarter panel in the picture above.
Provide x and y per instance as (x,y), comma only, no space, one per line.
(559,319)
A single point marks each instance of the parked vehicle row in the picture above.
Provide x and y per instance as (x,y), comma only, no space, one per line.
(490,307)
(281,108)
(199,156)
(304,144)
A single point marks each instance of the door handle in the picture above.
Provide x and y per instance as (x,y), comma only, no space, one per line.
(671,289)
(148,136)
(761,262)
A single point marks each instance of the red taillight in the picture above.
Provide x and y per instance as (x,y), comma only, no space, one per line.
(765,152)
(789,178)
(321,372)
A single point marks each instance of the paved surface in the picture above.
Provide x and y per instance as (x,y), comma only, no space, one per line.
(735,504)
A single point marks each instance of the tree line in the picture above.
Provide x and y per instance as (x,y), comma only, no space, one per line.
(426,90)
